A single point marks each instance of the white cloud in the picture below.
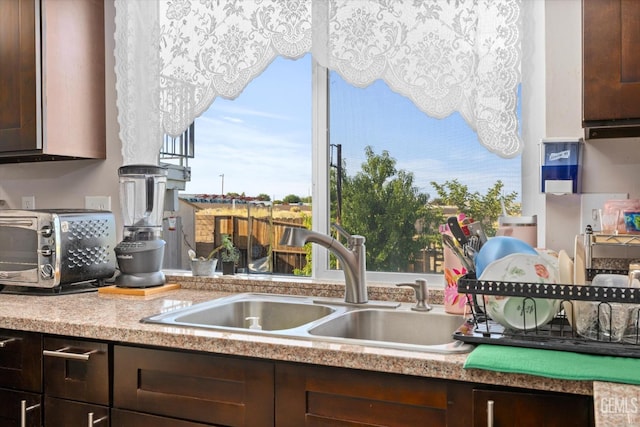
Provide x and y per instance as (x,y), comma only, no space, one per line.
(232,119)
(228,109)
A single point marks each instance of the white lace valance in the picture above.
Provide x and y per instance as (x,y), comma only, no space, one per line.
(174,57)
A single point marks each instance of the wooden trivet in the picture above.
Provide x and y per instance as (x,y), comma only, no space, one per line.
(138,291)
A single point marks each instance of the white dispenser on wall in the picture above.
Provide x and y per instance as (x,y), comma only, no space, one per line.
(561,165)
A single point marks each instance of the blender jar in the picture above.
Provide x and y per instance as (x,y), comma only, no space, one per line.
(142,190)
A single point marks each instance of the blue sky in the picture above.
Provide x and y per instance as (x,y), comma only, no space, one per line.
(261,141)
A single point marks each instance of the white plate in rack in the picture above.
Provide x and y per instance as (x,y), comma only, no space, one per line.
(565,269)
(579,263)
(518,312)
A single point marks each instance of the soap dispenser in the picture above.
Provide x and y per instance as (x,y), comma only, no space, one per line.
(255,322)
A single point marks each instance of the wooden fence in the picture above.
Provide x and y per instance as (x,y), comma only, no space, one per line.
(258,238)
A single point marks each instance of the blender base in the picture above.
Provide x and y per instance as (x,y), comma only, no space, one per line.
(140,280)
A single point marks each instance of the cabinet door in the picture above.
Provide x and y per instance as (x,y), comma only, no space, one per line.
(67,413)
(122,418)
(611,59)
(198,387)
(77,370)
(523,409)
(74,78)
(18,79)
(314,396)
(21,360)
(20,408)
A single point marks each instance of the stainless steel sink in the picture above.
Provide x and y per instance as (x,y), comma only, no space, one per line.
(394,328)
(324,320)
(272,313)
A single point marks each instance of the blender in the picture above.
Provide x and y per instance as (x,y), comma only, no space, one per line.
(140,254)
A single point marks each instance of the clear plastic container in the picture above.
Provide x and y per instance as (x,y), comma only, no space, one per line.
(620,206)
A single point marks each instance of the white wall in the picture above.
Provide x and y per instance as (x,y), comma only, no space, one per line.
(64,184)
(609,166)
(533,109)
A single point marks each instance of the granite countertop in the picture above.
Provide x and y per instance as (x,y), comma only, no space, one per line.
(117,318)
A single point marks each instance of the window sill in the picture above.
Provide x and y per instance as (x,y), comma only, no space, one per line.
(292,285)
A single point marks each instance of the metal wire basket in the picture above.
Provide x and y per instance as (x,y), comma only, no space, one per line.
(603,335)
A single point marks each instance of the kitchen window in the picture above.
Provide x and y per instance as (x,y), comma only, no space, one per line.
(353,117)
(442,56)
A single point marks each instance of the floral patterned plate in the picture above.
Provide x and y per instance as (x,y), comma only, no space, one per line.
(518,312)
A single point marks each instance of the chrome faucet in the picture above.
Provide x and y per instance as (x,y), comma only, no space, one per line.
(353,257)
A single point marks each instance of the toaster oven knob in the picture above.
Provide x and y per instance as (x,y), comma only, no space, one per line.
(46,271)
(46,251)
(46,231)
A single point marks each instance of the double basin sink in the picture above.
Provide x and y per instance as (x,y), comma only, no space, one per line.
(381,324)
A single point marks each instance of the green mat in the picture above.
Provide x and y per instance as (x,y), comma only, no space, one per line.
(554,364)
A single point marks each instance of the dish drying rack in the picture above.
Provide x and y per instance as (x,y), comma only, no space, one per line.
(557,334)
(611,246)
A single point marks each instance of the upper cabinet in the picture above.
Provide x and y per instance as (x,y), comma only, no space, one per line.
(611,68)
(52,88)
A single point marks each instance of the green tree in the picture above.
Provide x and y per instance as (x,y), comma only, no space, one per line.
(263,197)
(291,198)
(382,204)
(484,208)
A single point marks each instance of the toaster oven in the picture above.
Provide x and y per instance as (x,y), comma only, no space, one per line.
(54,247)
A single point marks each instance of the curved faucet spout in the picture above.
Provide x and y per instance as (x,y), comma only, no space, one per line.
(352,258)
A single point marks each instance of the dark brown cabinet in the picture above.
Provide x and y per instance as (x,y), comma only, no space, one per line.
(69,381)
(73,374)
(76,382)
(20,378)
(534,409)
(18,100)
(124,418)
(202,388)
(66,413)
(311,396)
(52,93)
(611,68)
(19,408)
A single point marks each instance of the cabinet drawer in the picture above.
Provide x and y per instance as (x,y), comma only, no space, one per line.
(318,395)
(523,409)
(76,370)
(12,410)
(21,360)
(66,413)
(122,418)
(198,387)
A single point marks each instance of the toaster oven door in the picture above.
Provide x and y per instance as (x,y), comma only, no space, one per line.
(19,257)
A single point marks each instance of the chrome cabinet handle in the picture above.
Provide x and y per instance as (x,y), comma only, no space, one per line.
(6,341)
(62,353)
(91,422)
(23,412)
(489,413)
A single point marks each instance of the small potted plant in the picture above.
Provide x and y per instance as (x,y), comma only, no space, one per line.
(229,254)
(206,266)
